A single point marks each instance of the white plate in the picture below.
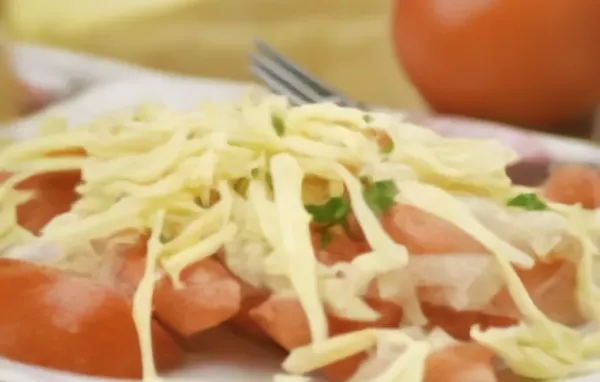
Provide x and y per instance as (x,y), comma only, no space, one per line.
(224,357)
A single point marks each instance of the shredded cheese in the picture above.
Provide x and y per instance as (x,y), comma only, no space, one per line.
(234,180)
(539,349)
(378,239)
(296,241)
(142,301)
(440,203)
(308,358)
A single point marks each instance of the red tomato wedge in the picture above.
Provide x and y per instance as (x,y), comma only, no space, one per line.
(339,248)
(284,320)
(552,287)
(465,362)
(54,194)
(458,324)
(210,296)
(342,370)
(243,321)
(391,315)
(574,184)
(423,233)
(468,362)
(62,321)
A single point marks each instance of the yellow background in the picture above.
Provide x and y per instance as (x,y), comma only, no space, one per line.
(345,42)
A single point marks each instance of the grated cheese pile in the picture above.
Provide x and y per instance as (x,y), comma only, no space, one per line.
(239,176)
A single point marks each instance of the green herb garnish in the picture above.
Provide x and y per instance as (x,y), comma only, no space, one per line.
(380,195)
(368,118)
(334,212)
(530,202)
(326,238)
(278,124)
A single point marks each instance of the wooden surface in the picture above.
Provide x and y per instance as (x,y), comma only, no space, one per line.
(346,42)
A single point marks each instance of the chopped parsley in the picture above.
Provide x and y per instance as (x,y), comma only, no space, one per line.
(380,195)
(529,201)
(334,212)
(278,124)
(368,118)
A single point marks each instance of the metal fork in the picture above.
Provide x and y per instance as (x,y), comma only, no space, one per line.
(281,75)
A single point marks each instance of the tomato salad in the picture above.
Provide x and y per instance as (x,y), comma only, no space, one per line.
(369,248)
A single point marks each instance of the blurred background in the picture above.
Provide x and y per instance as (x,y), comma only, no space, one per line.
(345,42)
(460,67)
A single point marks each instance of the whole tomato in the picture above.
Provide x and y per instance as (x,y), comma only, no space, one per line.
(534,63)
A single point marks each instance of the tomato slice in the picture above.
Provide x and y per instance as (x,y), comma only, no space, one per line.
(285,321)
(337,247)
(552,286)
(243,321)
(344,369)
(62,321)
(54,194)
(210,296)
(465,362)
(574,184)
(458,324)
(423,233)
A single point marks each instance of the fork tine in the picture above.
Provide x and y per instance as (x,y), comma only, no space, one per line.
(282,74)
(277,84)
(320,88)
